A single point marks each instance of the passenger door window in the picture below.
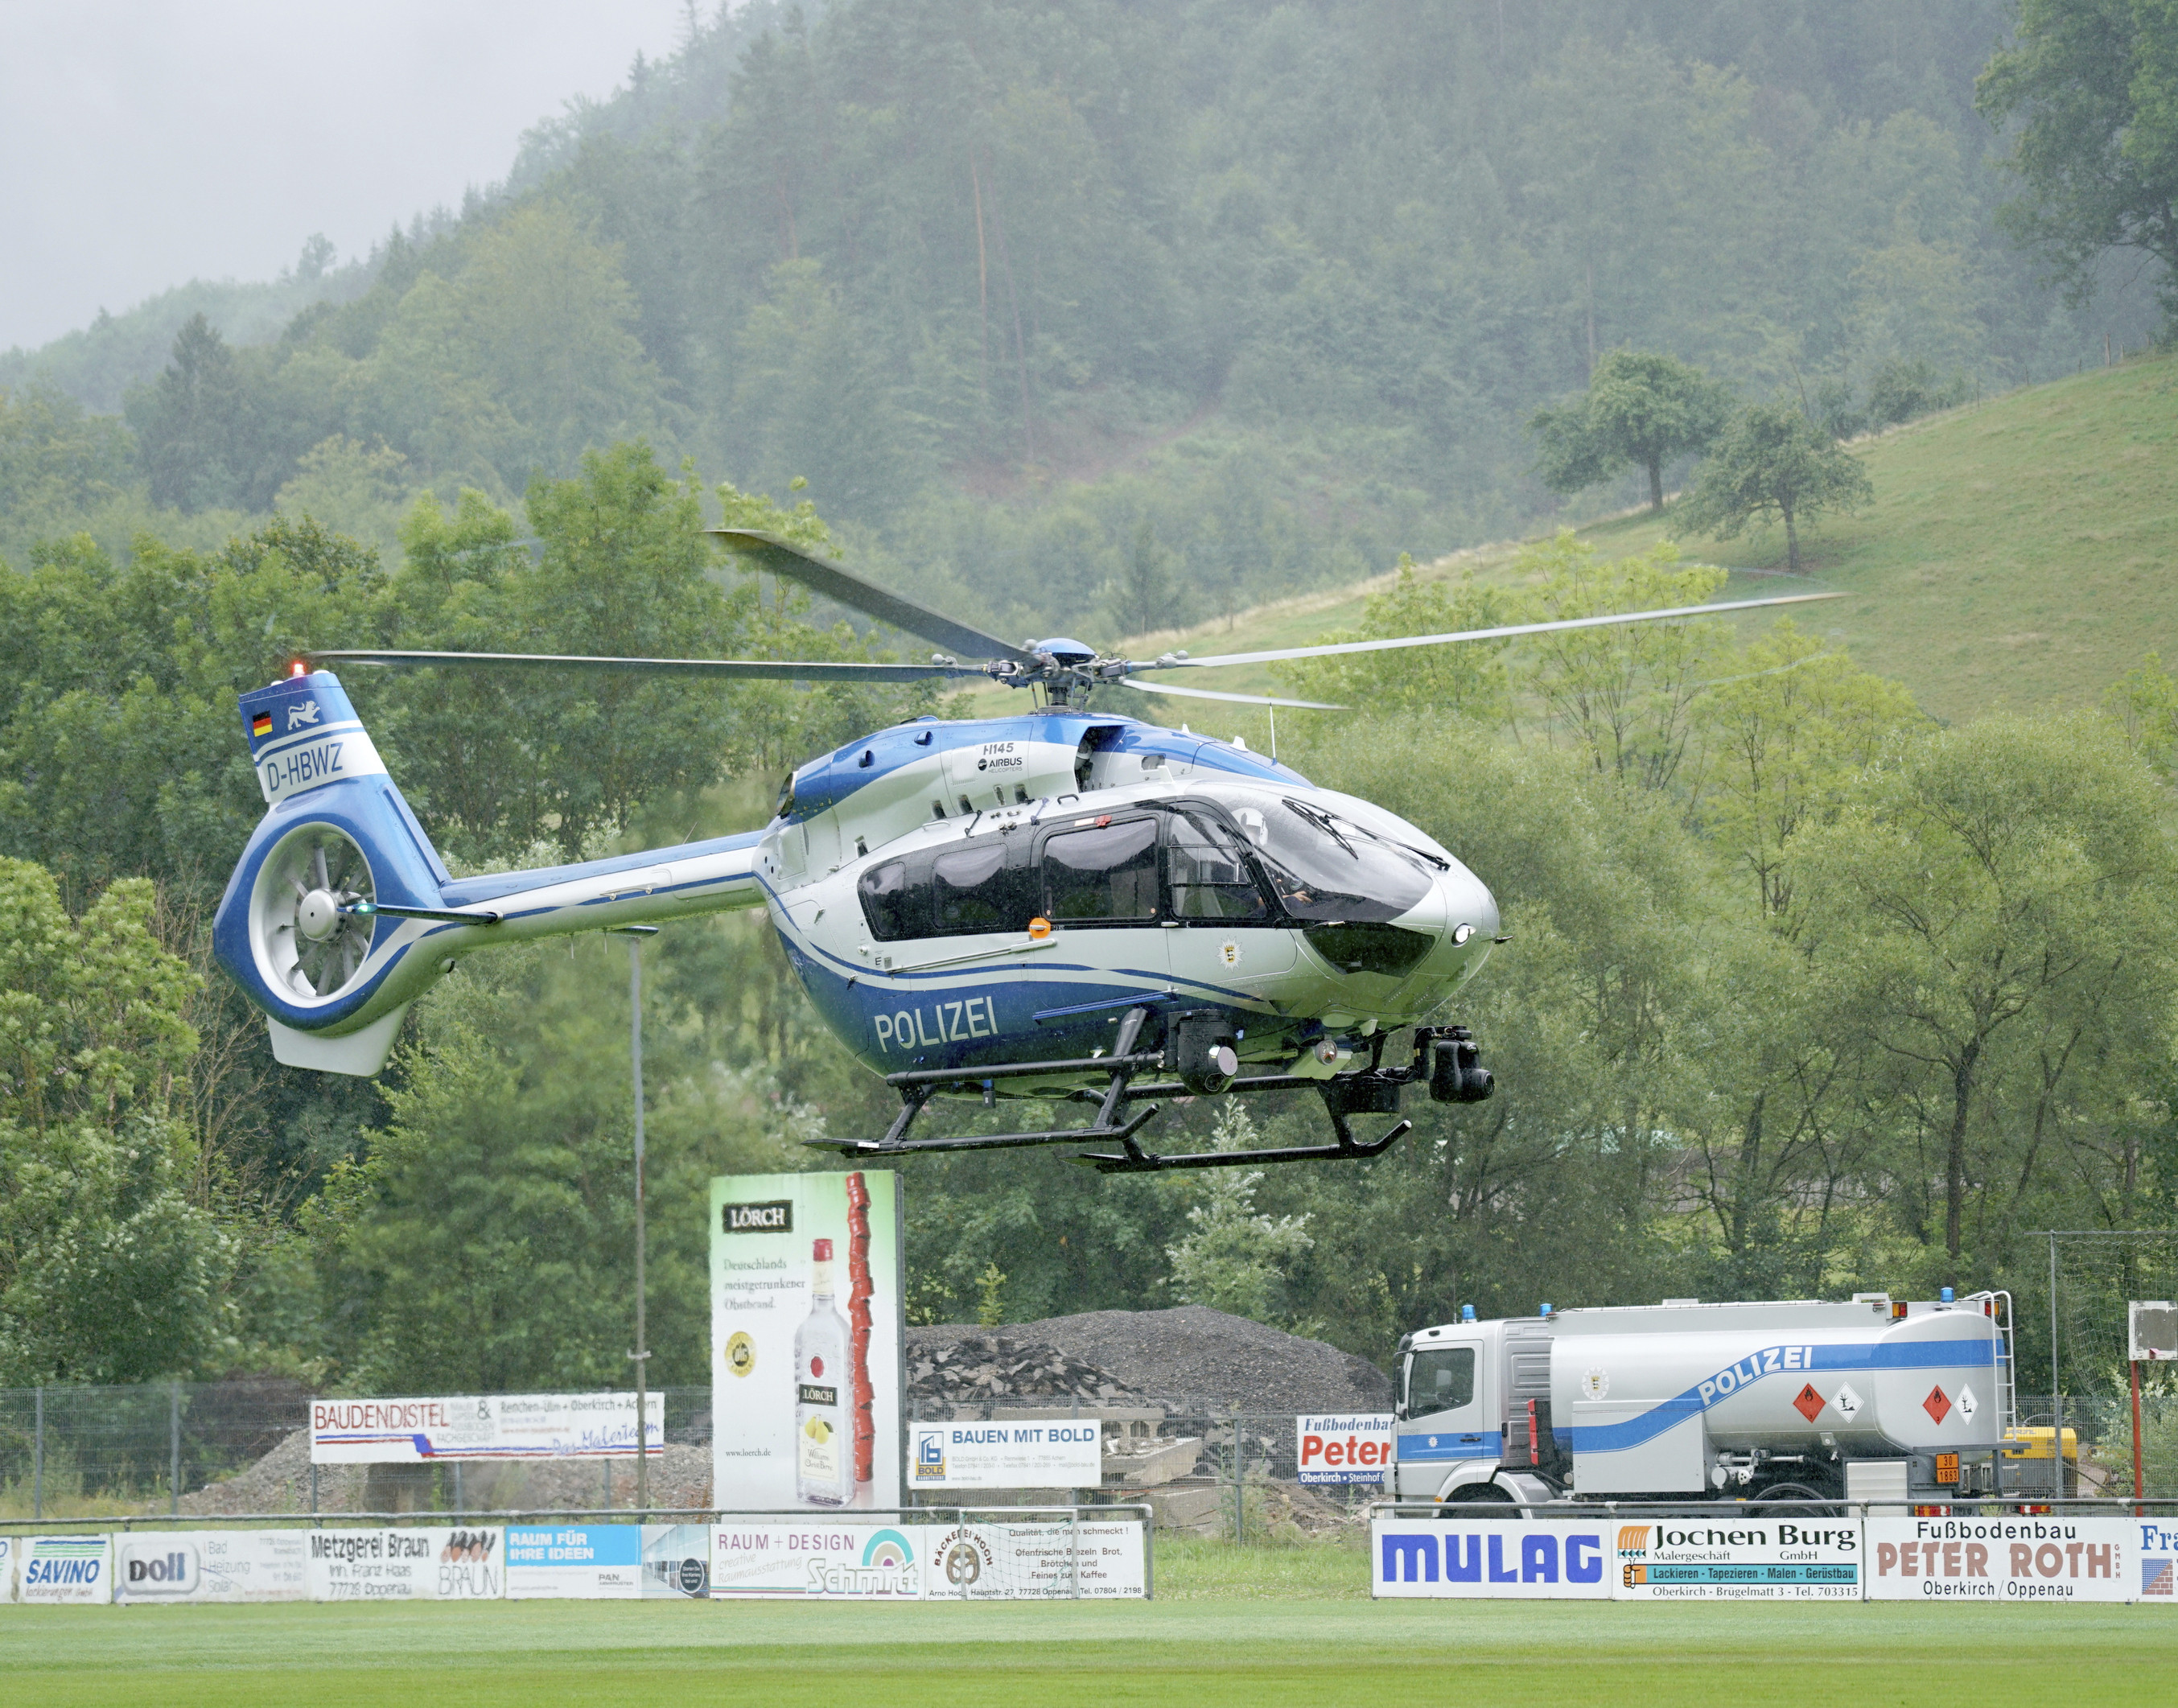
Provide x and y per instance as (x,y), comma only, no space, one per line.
(975,892)
(1105,873)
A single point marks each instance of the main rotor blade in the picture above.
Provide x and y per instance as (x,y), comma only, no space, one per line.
(1477,634)
(1212,694)
(745,670)
(822,575)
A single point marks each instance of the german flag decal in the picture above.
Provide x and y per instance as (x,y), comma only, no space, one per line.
(261,724)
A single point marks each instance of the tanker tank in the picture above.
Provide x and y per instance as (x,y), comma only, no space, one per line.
(1683,1397)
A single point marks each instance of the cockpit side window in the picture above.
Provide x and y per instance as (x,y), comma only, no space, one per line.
(1209,873)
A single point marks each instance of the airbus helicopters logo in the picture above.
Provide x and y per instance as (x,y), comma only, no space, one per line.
(999,756)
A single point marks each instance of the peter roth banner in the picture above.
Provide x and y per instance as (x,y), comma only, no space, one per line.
(1735,1559)
(805,1286)
(504,1425)
(2017,1559)
(1503,1559)
(394,1564)
(1015,1453)
(152,1566)
(1352,1448)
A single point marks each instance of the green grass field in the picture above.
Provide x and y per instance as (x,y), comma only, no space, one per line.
(2020,553)
(1230,1626)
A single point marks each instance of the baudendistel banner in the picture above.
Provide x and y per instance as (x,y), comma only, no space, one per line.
(805,1283)
(488,1426)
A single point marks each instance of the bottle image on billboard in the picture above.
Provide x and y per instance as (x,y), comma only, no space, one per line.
(822,1445)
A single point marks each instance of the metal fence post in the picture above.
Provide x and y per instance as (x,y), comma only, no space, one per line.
(1074,1549)
(313,1488)
(38,1460)
(174,1448)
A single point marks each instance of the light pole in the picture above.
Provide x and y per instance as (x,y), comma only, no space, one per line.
(641,1355)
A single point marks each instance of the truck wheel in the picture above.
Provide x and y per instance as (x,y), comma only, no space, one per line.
(1781,1492)
(1474,1495)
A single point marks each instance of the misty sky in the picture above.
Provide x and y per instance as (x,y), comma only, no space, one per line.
(145,144)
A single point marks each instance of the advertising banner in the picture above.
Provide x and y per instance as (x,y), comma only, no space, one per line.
(152,1566)
(2012,1558)
(1735,1559)
(1355,1447)
(794,1562)
(1555,1559)
(504,1425)
(10,1548)
(1015,1453)
(66,1570)
(1035,1561)
(394,1564)
(676,1561)
(806,1282)
(589,1563)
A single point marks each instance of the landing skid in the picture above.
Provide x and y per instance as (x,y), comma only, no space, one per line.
(1444,1059)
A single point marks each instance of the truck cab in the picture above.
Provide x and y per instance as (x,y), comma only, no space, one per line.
(1473,1408)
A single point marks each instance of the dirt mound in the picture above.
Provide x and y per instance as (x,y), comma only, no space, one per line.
(1191,1359)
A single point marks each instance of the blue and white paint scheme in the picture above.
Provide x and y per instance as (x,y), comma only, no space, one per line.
(340,914)
(1724,1399)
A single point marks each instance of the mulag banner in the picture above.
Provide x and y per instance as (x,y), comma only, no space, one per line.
(2016,1559)
(58,1570)
(393,1565)
(805,1284)
(1732,1558)
(1351,1447)
(506,1425)
(1014,1452)
(589,1563)
(1554,1559)
(154,1566)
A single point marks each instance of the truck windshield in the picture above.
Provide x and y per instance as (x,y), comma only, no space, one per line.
(1324,866)
(1440,1378)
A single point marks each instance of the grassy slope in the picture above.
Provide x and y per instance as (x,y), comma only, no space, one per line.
(2022,552)
(1203,1653)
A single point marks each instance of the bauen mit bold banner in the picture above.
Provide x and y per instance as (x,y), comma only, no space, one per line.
(806,1288)
(506,1425)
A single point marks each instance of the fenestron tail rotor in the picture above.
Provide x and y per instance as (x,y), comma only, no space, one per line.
(310,914)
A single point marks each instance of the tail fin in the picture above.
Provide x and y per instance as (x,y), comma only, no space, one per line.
(299,928)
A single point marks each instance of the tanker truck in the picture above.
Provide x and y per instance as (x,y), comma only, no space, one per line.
(1726,1401)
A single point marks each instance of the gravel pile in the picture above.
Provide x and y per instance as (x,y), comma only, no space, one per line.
(965,1367)
(1191,1360)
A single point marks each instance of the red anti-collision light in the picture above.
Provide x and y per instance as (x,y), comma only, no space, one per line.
(299,668)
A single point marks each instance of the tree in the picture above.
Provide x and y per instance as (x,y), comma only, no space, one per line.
(1995,916)
(1640,408)
(2092,86)
(193,421)
(108,1272)
(1773,461)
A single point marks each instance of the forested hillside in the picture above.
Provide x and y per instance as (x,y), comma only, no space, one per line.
(1077,312)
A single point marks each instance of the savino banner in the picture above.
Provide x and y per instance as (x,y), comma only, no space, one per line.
(395,1564)
(1737,1559)
(806,1285)
(504,1425)
(152,1566)
(65,1569)
(1555,1559)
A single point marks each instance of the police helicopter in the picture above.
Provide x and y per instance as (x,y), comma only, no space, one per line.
(1064,904)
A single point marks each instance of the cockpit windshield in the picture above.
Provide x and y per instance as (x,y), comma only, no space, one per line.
(1326,866)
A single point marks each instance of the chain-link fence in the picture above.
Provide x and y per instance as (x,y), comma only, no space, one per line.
(209,1449)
